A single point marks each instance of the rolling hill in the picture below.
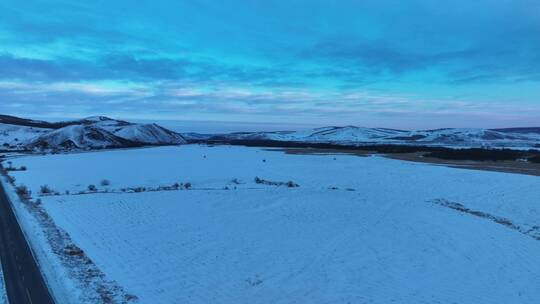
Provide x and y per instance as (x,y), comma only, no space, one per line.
(96,132)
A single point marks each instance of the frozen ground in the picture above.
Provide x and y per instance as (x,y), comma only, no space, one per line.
(357,230)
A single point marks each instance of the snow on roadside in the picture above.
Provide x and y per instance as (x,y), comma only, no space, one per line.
(3,294)
(62,289)
(357,230)
(68,272)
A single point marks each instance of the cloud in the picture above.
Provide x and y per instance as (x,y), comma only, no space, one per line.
(354,61)
(130,68)
(304,60)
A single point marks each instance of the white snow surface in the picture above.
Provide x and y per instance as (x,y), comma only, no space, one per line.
(384,242)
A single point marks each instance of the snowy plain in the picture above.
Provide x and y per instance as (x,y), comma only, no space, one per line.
(357,230)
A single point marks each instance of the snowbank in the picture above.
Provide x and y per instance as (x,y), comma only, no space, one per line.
(55,275)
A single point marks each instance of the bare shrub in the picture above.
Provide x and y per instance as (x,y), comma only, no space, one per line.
(139,189)
(73,250)
(11,168)
(22,191)
(44,189)
(92,188)
(187,185)
(10,179)
(291,184)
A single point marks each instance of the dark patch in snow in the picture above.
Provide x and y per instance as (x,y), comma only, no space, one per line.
(531,231)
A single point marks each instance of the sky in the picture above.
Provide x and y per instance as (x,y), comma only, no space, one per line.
(407,64)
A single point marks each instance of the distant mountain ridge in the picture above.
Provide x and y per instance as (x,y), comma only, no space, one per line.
(95,132)
(522,138)
(98,132)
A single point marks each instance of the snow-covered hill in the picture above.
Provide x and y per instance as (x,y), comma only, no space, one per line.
(148,134)
(16,137)
(477,137)
(103,132)
(89,133)
(80,137)
(350,135)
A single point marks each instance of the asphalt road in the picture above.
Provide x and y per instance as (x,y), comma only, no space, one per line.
(24,282)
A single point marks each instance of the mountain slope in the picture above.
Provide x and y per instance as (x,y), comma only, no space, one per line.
(80,137)
(95,132)
(16,137)
(17,121)
(149,134)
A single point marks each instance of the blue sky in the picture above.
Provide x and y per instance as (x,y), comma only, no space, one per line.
(400,64)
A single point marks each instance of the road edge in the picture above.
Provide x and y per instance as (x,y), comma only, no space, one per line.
(53,275)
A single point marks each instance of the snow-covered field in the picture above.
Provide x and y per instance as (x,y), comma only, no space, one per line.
(357,230)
